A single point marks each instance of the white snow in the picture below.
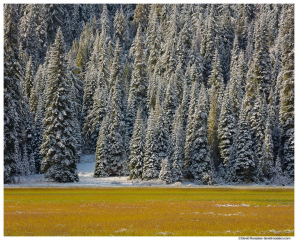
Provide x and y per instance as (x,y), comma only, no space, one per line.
(85,171)
(232,205)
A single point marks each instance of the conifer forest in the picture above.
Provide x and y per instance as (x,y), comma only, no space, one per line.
(203,92)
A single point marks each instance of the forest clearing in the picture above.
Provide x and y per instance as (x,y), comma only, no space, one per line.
(149,211)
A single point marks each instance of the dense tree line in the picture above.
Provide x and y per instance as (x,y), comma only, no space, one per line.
(162,91)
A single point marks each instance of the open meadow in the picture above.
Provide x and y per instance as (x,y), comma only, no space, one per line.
(149,211)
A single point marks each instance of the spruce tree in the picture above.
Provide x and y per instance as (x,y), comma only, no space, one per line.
(102,147)
(286,112)
(216,77)
(91,78)
(258,124)
(262,65)
(40,114)
(95,117)
(241,166)
(208,42)
(212,127)
(171,101)
(137,147)
(190,134)
(138,85)
(151,167)
(197,151)
(59,144)
(105,23)
(116,136)
(153,40)
(163,148)
(29,77)
(226,128)
(54,17)
(121,29)
(165,173)
(12,93)
(268,151)
(178,140)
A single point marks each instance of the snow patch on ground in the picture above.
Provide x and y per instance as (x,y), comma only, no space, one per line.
(85,171)
(232,205)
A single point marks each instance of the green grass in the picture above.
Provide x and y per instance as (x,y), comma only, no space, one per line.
(148,211)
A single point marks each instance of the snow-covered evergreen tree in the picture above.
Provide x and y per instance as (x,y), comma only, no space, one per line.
(138,85)
(216,77)
(116,136)
(12,93)
(226,128)
(262,66)
(196,149)
(212,127)
(29,79)
(102,148)
(178,140)
(208,42)
(286,112)
(268,151)
(153,41)
(121,29)
(163,148)
(137,147)
(95,117)
(190,134)
(171,101)
(241,166)
(151,167)
(59,145)
(165,173)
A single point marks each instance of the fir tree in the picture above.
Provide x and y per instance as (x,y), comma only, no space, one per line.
(54,18)
(59,144)
(286,112)
(241,164)
(121,29)
(163,148)
(116,157)
(190,134)
(105,23)
(226,128)
(138,85)
(95,117)
(262,66)
(258,124)
(178,139)
(165,173)
(208,42)
(29,77)
(171,101)
(216,77)
(212,127)
(137,147)
(12,93)
(151,167)
(140,16)
(197,150)
(153,40)
(268,148)
(102,148)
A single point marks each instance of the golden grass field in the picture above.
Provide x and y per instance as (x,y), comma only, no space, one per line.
(149,211)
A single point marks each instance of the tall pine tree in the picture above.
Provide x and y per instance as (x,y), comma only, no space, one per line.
(59,144)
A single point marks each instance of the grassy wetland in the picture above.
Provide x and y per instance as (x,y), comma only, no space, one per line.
(149,211)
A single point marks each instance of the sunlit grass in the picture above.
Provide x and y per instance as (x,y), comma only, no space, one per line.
(148,211)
